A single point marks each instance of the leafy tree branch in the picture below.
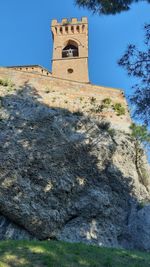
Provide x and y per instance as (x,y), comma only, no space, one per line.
(137,64)
(108,6)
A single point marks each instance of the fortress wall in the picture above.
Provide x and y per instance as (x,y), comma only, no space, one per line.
(33,69)
(72,96)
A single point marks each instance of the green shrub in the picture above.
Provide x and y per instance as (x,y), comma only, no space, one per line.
(4,82)
(106,101)
(119,109)
(7,83)
(93,100)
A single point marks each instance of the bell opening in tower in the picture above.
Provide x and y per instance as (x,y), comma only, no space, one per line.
(70,50)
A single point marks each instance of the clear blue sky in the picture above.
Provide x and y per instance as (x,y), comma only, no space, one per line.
(25,36)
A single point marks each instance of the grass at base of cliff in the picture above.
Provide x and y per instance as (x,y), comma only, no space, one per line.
(61,254)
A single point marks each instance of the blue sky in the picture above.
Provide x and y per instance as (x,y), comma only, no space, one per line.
(26,37)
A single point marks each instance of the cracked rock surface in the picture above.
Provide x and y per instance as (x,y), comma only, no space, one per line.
(65,175)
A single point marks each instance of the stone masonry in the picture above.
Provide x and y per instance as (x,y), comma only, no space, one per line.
(72,96)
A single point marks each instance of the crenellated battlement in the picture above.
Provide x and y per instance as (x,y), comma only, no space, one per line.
(66,21)
(73,26)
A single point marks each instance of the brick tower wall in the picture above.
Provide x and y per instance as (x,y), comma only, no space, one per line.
(76,33)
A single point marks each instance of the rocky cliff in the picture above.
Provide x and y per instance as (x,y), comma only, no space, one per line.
(68,176)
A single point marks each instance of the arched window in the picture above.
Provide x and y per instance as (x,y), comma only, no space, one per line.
(72,29)
(70,50)
(61,30)
(83,28)
(78,29)
(66,29)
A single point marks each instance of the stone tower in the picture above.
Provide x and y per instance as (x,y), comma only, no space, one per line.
(70,49)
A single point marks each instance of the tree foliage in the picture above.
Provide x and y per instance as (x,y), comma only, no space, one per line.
(137,64)
(141,133)
(142,137)
(107,6)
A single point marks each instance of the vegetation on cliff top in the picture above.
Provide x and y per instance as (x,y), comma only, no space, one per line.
(61,254)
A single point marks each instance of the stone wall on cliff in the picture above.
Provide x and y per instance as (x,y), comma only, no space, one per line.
(74,96)
(68,175)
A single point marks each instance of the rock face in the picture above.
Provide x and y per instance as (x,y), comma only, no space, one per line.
(67,176)
(10,230)
(139,228)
